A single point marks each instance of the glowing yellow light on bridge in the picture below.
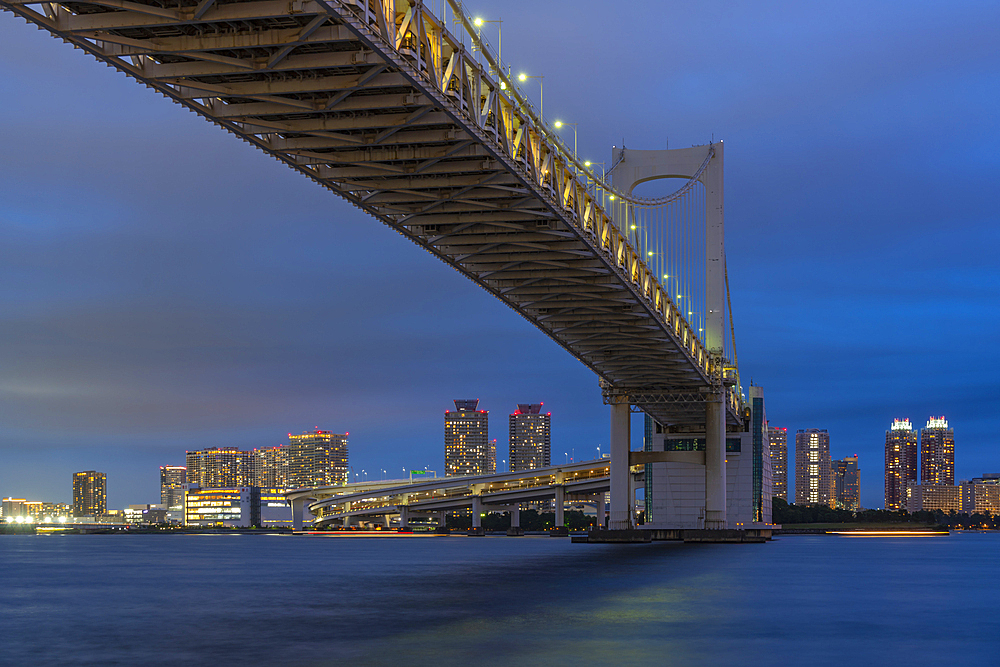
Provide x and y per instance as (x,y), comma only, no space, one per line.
(678,296)
(612,197)
(690,313)
(522,77)
(478,21)
(587,163)
(633,226)
(558,124)
(665,276)
(650,253)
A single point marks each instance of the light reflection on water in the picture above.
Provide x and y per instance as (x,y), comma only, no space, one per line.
(315,602)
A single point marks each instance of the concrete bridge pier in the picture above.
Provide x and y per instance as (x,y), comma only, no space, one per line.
(715,462)
(404,517)
(560,507)
(477,511)
(515,516)
(600,511)
(298,512)
(442,519)
(621,511)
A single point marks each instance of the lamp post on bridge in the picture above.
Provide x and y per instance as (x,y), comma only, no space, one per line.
(559,126)
(478,22)
(522,77)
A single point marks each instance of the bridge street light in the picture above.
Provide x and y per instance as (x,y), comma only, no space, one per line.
(522,77)
(559,126)
(478,22)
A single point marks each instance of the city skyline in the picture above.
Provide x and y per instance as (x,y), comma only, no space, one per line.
(136,333)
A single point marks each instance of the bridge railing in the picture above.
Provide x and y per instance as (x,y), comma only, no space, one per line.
(491,103)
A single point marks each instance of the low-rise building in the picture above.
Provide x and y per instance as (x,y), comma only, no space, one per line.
(237,507)
(229,506)
(146,514)
(981,494)
(933,498)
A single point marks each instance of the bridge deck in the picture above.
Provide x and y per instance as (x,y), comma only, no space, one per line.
(452,493)
(389,109)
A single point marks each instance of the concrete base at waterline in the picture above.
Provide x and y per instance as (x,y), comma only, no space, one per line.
(476,532)
(616,537)
(728,536)
(639,536)
(559,531)
(515,532)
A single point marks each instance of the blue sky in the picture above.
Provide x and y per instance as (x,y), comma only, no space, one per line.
(164,287)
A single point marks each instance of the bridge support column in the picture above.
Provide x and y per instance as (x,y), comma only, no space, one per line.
(347,522)
(621,511)
(404,516)
(442,519)
(560,507)
(715,462)
(600,511)
(298,512)
(477,511)
(515,516)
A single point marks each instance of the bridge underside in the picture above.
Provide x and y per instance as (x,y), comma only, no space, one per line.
(389,113)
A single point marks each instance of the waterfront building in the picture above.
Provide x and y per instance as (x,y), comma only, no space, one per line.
(981,494)
(316,458)
(148,514)
(933,498)
(937,453)
(269,467)
(847,483)
(275,510)
(90,493)
(172,481)
(900,462)
(56,510)
(530,437)
(777,437)
(14,507)
(230,507)
(813,480)
(466,440)
(217,468)
(238,507)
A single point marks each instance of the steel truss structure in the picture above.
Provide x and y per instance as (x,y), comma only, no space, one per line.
(379,102)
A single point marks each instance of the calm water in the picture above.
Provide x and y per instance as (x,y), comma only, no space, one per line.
(310,602)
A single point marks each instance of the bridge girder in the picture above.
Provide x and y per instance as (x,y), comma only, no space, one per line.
(388,109)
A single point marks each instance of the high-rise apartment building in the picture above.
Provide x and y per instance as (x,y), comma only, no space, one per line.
(90,493)
(466,440)
(317,458)
(778,438)
(937,453)
(217,467)
(172,481)
(530,437)
(269,467)
(813,481)
(847,483)
(900,462)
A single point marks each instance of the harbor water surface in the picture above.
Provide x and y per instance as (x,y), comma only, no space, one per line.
(318,601)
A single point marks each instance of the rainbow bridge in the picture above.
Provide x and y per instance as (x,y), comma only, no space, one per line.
(421,126)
